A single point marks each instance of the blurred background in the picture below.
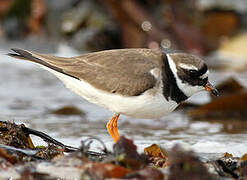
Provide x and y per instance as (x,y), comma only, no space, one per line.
(214,29)
(198,26)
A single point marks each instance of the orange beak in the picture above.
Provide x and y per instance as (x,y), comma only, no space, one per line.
(209,87)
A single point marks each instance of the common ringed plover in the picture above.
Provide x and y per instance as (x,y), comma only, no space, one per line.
(140,83)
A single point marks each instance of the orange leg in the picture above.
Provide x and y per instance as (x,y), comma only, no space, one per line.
(112,127)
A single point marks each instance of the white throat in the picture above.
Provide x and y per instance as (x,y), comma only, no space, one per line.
(186,88)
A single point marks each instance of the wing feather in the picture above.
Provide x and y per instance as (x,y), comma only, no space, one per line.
(125,71)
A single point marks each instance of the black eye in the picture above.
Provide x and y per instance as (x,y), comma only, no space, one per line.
(192,72)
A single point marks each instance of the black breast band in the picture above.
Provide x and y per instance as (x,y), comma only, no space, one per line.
(170,88)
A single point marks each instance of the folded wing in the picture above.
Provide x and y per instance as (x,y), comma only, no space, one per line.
(125,72)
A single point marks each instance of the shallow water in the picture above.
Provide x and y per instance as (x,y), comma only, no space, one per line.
(28,94)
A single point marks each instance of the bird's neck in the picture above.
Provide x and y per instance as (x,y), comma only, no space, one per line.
(171,90)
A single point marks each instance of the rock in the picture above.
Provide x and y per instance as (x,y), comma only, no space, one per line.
(68,111)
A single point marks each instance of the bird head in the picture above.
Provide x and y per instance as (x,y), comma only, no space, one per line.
(191,73)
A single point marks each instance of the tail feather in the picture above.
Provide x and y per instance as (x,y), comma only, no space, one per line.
(17,56)
(26,55)
(23,54)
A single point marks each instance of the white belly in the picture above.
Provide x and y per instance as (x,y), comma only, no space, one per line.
(148,105)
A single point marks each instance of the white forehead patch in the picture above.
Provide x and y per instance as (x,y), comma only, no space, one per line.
(205,75)
(187,66)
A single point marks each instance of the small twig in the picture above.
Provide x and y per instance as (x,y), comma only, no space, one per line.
(49,139)
(66,148)
(99,140)
(27,152)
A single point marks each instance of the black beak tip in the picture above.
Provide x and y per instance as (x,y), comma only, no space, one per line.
(215,92)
